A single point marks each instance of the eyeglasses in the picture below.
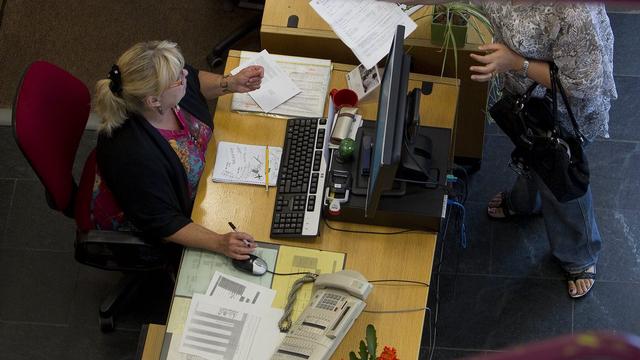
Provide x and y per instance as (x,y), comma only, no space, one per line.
(182,79)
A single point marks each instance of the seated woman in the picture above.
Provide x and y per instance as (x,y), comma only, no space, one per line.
(154,132)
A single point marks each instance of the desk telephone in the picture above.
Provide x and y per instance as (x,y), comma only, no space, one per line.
(337,301)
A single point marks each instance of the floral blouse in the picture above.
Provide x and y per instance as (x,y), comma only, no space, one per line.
(577,37)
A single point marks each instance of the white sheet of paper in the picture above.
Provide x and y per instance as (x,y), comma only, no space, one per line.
(237,290)
(311,76)
(367,27)
(276,88)
(220,329)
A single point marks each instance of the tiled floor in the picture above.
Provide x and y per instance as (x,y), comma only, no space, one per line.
(503,289)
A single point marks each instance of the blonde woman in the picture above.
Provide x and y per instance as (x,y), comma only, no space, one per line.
(154,133)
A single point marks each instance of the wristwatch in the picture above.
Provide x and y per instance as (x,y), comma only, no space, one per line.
(525,68)
(224,84)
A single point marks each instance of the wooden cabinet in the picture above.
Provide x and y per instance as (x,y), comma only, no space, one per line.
(292,27)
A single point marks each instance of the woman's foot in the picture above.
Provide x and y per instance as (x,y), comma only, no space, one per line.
(579,284)
(498,207)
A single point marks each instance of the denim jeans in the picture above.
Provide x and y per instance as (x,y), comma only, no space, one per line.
(571,226)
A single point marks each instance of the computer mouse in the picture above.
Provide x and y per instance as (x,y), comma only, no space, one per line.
(253,265)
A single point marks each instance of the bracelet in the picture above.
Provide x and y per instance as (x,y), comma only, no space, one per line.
(525,68)
(224,84)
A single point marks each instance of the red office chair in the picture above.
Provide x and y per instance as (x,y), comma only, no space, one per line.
(50,112)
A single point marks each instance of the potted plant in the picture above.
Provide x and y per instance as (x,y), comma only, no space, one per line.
(449,27)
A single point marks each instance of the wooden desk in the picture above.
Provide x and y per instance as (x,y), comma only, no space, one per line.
(314,38)
(406,256)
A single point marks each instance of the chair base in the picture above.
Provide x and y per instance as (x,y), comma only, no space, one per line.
(126,288)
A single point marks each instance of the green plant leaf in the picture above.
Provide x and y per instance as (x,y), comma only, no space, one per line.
(363,351)
(352,356)
(372,341)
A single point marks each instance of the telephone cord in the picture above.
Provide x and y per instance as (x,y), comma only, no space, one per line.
(285,321)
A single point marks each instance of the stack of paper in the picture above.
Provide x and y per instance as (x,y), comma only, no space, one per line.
(367,27)
(245,164)
(292,86)
(234,320)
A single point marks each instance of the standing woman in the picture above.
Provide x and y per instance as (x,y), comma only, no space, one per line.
(154,132)
(577,37)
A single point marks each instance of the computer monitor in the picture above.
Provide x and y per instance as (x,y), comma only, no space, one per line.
(390,125)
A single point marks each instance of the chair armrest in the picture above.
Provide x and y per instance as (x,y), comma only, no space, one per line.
(120,251)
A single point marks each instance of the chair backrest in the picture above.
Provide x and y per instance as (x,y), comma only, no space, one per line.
(50,112)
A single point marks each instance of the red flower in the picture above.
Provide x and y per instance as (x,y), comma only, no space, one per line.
(389,353)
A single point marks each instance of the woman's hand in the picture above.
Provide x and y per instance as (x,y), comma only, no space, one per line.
(248,79)
(499,59)
(236,245)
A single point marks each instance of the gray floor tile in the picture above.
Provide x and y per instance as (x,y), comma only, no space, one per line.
(91,287)
(626,48)
(521,248)
(12,163)
(87,144)
(33,342)
(37,286)
(625,111)
(32,225)
(613,193)
(476,257)
(620,256)
(609,305)
(491,313)
(89,343)
(7,187)
(494,175)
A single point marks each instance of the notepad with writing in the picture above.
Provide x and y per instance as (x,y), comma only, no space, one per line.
(245,164)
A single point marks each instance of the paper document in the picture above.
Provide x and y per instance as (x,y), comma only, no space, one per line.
(245,164)
(311,76)
(276,88)
(230,331)
(295,259)
(409,9)
(198,266)
(367,27)
(232,289)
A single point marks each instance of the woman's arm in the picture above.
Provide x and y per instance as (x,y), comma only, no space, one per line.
(230,244)
(214,85)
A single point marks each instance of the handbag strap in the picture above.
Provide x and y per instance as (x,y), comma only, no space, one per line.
(555,86)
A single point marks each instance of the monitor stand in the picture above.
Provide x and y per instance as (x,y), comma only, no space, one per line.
(408,205)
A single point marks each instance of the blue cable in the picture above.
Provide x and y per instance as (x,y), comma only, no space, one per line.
(463,228)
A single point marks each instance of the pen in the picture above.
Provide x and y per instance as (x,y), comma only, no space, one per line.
(266,169)
(233,227)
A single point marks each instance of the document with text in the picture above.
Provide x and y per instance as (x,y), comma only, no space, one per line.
(310,75)
(367,27)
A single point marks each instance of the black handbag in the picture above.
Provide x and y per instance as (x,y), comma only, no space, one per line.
(541,144)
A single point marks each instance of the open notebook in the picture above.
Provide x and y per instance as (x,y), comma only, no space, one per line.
(245,164)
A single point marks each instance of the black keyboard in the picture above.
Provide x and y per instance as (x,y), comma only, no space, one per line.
(301,177)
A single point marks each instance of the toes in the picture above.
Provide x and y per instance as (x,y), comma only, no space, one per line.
(573,291)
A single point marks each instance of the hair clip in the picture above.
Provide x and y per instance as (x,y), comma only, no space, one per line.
(116,80)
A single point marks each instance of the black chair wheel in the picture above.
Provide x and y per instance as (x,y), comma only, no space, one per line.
(214,61)
(106,323)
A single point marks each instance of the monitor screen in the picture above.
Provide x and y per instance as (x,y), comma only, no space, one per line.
(390,123)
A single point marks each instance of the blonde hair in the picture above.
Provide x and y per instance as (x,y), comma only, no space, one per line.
(146,69)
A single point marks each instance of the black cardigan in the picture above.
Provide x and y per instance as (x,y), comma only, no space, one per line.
(144,173)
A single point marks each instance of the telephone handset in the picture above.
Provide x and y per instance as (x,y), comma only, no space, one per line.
(338,299)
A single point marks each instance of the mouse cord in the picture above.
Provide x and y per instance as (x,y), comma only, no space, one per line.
(285,321)
(289,274)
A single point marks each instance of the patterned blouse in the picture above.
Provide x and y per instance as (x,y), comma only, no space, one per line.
(189,143)
(577,37)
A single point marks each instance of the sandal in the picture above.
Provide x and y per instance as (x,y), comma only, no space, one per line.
(587,274)
(502,205)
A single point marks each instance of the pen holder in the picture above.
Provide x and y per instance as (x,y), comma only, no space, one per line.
(344,121)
